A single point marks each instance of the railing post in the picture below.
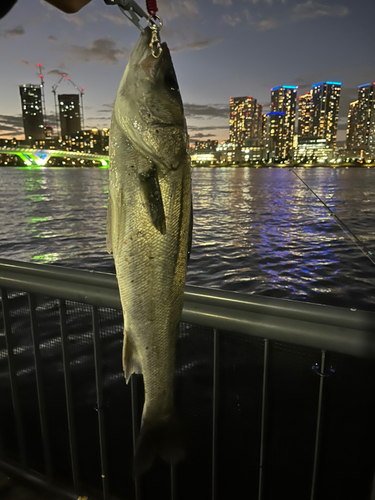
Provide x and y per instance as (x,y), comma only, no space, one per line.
(135,426)
(215,410)
(100,401)
(318,426)
(68,394)
(13,376)
(39,386)
(263,418)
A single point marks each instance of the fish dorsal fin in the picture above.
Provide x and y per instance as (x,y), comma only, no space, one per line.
(152,197)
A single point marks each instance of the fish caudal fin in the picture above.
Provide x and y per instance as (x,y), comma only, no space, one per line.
(163,439)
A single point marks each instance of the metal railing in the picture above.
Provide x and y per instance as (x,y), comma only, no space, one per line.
(349,332)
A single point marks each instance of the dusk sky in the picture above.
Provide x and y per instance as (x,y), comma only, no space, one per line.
(220,49)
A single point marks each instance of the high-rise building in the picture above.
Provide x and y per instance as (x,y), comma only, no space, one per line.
(325,111)
(352,140)
(245,120)
(283,100)
(32,111)
(360,132)
(366,115)
(305,115)
(275,136)
(70,115)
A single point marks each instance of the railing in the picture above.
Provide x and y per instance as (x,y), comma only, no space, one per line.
(321,330)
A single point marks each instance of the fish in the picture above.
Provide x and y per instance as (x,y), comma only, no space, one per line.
(149,230)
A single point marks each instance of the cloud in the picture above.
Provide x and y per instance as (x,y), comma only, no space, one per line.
(230,20)
(220,127)
(197,44)
(265,24)
(222,2)
(57,72)
(200,135)
(206,110)
(10,125)
(117,18)
(175,8)
(102,49)
(312,9)
(17,31)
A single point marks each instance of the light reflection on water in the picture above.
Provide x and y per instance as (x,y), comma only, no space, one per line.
(255,230)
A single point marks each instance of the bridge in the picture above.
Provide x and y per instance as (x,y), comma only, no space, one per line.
(40,157)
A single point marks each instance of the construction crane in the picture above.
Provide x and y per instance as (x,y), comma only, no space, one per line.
(44,113)
(80,91)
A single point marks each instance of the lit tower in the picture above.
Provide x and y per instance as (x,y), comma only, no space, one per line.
(245,120)
(70,116)
(283,100)
(366,116)
(352,141)
(32,111)
(325,110)
(275,136)
(305,115)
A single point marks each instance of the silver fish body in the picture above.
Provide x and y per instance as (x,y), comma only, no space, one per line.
(148,230)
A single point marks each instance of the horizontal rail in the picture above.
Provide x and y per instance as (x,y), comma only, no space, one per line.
(330,328)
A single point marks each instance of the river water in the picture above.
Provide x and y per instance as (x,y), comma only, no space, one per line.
(256,230)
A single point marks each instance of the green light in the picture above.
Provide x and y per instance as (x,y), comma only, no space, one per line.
(39,219)
(47,257)
(104,163)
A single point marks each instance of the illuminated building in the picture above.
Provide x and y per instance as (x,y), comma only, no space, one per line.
(313,150)
(70,116)
(360,132)
(325,110)
(206,145)
(275,136)
(352,129)
(305,115)
(32,111)
(105,139)
(245,120)
(283,100)
(254,151)
(227,152)
(366,116)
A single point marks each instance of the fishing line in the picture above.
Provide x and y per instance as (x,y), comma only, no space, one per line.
(342,224)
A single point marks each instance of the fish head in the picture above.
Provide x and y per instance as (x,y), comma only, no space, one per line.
(150,106)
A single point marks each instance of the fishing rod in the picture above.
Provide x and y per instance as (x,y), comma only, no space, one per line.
(342,224)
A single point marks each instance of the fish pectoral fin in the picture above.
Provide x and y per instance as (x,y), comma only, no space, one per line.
(130,360)
(152,197)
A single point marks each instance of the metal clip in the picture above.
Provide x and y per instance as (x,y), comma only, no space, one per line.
(154,45)
(131,11)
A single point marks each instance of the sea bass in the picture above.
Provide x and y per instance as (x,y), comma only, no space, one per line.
(149,232)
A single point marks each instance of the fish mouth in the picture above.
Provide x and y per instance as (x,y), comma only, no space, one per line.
(166,69)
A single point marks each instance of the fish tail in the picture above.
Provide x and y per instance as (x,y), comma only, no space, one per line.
(163,439)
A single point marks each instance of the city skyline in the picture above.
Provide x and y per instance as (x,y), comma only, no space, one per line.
(220,48)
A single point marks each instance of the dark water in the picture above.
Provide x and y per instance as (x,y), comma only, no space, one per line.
(255,230)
